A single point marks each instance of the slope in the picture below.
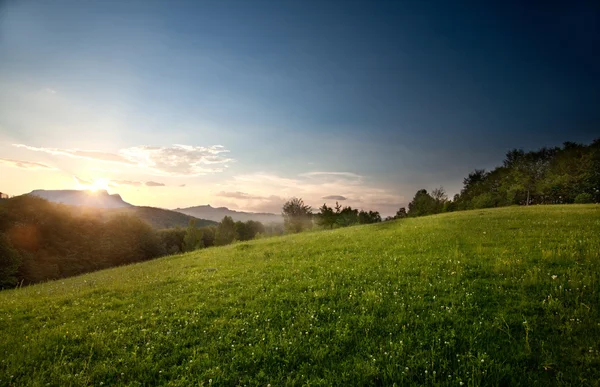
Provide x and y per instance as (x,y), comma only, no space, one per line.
(505,296)
(160,218)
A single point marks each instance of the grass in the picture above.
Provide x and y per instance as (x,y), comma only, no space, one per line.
(507,296)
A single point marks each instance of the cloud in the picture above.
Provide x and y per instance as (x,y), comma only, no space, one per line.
(175,160)
(334,197)
(154,184)
(81,181)
(267,192)
(332,174)
(125,182)
(82,154)
(27,165)
(182,185)
(180,160)
(240,195)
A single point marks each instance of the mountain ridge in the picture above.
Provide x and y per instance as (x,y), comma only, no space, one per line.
(206,211)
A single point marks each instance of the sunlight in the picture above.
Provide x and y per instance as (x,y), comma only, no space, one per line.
(99,185)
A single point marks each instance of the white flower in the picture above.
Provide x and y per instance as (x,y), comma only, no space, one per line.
(554,277)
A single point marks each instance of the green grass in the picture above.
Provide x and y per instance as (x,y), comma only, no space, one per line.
(508,296)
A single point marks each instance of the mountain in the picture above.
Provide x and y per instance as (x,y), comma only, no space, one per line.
(160,218)
(102,204)
(217,214)
(98,199)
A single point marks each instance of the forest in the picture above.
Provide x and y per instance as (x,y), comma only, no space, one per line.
(41,240)
(559,175)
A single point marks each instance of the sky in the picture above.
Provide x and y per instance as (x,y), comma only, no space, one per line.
(245,104)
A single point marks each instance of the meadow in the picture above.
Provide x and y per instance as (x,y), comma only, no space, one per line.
(506,296)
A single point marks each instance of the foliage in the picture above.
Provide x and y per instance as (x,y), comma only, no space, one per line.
(584,198)
(9,263)
(193,239)
(297,216)
(505,296)
(52,241)
(246,231)
(422,204)
(346,216)
(401,213)
(172,239)
(326,216)
(545,176)
(226,232)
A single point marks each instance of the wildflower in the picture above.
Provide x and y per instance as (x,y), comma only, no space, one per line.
(554,277)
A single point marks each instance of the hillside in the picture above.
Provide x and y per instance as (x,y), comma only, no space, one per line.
(506,296)
(160,218)
(218,213)
(98,199)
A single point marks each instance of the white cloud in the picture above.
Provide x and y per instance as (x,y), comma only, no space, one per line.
(267,192)
(26,164)
(79,153)
(175,160)
(180,160)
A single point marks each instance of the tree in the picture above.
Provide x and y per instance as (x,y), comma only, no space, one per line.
(326,216)
(9,263)
(440,197)
(193,237)
(401,213)
(422,204)
(226,232)
(297,216)
(365,217)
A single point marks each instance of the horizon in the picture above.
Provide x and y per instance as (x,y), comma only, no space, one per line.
(245,105)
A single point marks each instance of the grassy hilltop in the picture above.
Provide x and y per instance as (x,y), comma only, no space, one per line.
(508,296)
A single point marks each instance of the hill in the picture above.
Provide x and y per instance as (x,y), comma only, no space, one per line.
(160,218)
(102,204)
(505,296)
(218,213)
(98,199)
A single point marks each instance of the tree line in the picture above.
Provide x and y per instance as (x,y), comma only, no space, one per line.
(298,216)
(559,175)
(41,241)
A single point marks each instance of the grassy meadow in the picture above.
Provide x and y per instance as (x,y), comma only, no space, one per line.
(507,296)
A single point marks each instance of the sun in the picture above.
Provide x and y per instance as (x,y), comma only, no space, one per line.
(99,185)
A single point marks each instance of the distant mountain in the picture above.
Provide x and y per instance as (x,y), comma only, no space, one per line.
(161,218)
(102,204)
(98,199)
(217,214)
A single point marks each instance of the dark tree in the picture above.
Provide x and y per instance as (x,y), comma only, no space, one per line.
(297,216)
(226,232)
(422,204)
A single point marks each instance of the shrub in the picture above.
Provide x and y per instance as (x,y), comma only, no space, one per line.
(584,198)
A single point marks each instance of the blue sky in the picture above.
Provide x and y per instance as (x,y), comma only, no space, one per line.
(271,99)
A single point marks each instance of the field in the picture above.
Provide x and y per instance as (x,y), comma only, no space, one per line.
(507,296)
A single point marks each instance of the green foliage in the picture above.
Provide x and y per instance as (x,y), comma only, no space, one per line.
(248,230)
(369,217)
(172,239)
(9,263)
(584,198)
(546,176)
(498,297)
(326,217)
(422,204)
(401,213)
(297,216)
(52,241)
(226,232)
(193,239)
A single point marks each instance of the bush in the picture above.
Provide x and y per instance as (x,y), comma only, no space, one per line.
(584,198)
